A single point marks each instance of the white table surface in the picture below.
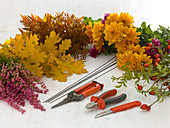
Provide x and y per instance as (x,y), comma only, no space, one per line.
(74,115)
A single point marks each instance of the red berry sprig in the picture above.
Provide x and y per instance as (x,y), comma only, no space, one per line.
(145,107)
(146,65)
(150,44)
(152,93)
(139,87)
(156,56)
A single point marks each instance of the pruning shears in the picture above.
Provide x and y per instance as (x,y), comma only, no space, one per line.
(105,99)
(82,92)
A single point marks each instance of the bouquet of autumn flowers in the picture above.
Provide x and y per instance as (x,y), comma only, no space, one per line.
(142,53)
(18,84)
(116,33)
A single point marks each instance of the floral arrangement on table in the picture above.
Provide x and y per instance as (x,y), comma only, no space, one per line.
(55,46)
(142,53)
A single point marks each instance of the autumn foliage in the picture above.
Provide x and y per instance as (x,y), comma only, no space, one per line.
(47,58)
(66,25)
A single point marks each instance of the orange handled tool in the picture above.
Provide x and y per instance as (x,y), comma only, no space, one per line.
(81,93)
(89,89)
(119,108)
(105,99)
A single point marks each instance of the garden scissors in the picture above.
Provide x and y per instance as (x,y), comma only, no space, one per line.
(82,92)
(103,100)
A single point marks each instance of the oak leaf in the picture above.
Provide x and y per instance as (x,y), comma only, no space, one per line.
(59,64)
(24,48)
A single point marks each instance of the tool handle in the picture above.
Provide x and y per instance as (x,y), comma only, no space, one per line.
(92,90)
(108,94)
(126,106)
(85,87)
(116,99)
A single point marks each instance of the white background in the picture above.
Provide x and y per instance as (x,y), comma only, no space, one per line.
(74,115)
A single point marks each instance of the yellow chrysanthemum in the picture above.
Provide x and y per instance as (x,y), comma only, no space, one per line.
(97,35)
(122,47)
(131,35)
(112,18)
(136,48)
(126,19)
(89,32)
(124,58)
(135,60)
(113,32)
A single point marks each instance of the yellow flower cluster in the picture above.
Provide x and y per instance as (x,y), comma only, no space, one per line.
(113,33)
(135,55)
(119,29)
(125,18)
(95,34)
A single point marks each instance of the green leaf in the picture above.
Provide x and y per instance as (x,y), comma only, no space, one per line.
(154,74)
(128,78)
(149,70)
(160,52)
(124,84)
(129,72)
(143,25)
(125,65)
(118,86)
(120,82)
(137,81)
(167,93)
(159,67)
(162,99)
(148,30)
(113,78)
(147,78)
(136,74)
(164,74)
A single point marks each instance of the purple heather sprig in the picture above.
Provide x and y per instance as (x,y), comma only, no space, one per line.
(18,84)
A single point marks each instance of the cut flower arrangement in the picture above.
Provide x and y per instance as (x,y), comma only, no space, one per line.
(142,53)
(55,46)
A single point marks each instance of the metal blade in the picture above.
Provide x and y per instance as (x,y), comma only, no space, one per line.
(61,103)
(103,113)
(91,105)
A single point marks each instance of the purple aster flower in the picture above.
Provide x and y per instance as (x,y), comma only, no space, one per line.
(105,18)
(93,52)
(156,42)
